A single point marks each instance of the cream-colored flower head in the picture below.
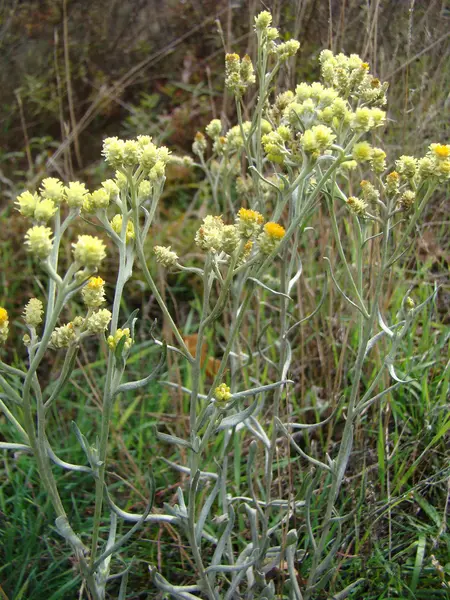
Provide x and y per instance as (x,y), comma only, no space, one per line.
(407,199)
(63,336)
(38,240)
(93,292)
(406,166)
(263,20)
(45,209)
(113,151)
(99,199)
(131,153)
(200,144)
(113,340)
(75,194)
(222,393)
(209,236)
(357,206)
(249,222)
(89,251)
(111,188)
(4,325)
(378,160)
(33,312)
(52,189)
(116,224)
(144,190)
(26,204)
(392,183)
(271,237)
(285,50)
(318,139)
(99,321)
(165,256)
(230,238)
(214,128)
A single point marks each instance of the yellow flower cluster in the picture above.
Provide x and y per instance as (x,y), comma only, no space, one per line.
(139,153)
(89,251)
(271,237)
(116,224)
(4,325)
(222,393)
(239,74)
(113,340)
(93,292)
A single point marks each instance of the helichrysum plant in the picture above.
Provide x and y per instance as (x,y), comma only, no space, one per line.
(266,177)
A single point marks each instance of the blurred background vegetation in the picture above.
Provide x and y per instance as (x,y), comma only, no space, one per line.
(75,71)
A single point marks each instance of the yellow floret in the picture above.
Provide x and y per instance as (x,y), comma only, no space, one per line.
(274,230)
(3,315)
(250,216)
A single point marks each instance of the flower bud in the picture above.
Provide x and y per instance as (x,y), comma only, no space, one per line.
(26,203)
(357,206)
(89,251)
(249,222)
(113,340)
(75,194)
(222,393)
(45,209)
(214,129)
(210,235)
(113,151)
(38,240)
(263,20)
(271,237)
(99,321)
(116,224)
(165,256)
(52,189)
(33,312)
(93,292)
(63,336)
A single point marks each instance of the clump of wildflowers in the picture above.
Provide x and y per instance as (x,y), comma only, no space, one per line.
(4,325)
(33,312)
(165,256)
(93,292)
(39,242)
(89,251)
(350,76)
